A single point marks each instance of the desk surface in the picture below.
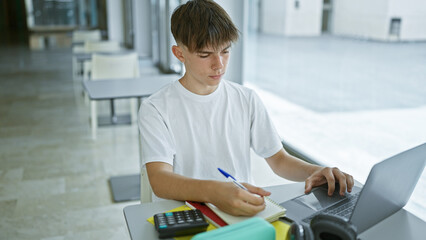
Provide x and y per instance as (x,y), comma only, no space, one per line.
(127,88)
(401,225)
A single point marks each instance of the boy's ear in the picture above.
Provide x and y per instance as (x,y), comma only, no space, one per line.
(177,51)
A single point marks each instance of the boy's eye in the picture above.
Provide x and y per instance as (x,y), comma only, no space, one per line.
(203,54)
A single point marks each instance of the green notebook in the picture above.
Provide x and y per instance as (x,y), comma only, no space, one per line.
(252,229)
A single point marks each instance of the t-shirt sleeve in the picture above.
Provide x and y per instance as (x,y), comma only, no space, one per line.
(264,139)
(157,144)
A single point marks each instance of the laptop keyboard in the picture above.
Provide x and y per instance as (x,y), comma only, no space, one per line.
(342,209)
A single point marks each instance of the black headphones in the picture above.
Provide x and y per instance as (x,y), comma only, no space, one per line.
(323,227)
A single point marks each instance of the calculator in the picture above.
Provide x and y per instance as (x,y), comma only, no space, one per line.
(173,224)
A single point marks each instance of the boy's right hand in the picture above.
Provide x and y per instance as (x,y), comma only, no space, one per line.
(236,201)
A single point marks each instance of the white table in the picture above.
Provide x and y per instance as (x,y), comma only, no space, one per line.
(112,89)
(124,188)
(401,225)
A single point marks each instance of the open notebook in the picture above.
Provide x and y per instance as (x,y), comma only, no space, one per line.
(271,213)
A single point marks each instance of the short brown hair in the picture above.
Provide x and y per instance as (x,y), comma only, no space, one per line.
(201,23)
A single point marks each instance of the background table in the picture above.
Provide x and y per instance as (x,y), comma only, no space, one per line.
(124,88)
(401,225)
(125,188)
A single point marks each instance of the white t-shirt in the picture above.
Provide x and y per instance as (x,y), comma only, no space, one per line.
(197,134)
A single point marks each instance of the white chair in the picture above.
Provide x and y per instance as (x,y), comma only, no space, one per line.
(101,46)
(106,67)
(80,36)
(146,190)
(98,47)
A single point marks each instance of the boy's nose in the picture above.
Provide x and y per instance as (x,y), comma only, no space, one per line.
(217,63)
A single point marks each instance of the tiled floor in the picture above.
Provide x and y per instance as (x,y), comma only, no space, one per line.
(53,176)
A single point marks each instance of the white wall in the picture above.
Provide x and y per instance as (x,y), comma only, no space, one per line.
(272,17)
(363,18)
(305,20)
(283,18)
(413,18)
(115,20)
(371,19)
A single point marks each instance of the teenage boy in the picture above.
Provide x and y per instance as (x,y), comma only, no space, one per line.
(202,122)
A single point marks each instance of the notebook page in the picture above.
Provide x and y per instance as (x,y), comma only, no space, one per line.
(271,212)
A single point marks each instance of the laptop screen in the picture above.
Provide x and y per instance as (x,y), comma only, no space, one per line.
(388,187)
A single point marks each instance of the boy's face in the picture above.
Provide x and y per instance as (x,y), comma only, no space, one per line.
(204,68)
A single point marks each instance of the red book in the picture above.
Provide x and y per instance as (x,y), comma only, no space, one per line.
(208,213)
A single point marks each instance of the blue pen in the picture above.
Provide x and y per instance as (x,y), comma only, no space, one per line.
(232,179)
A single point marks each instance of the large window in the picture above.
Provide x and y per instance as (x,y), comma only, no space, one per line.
(344,95)
(72,13)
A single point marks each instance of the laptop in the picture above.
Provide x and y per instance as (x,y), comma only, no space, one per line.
(387,189)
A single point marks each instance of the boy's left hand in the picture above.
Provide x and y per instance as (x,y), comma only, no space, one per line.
(330,176)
